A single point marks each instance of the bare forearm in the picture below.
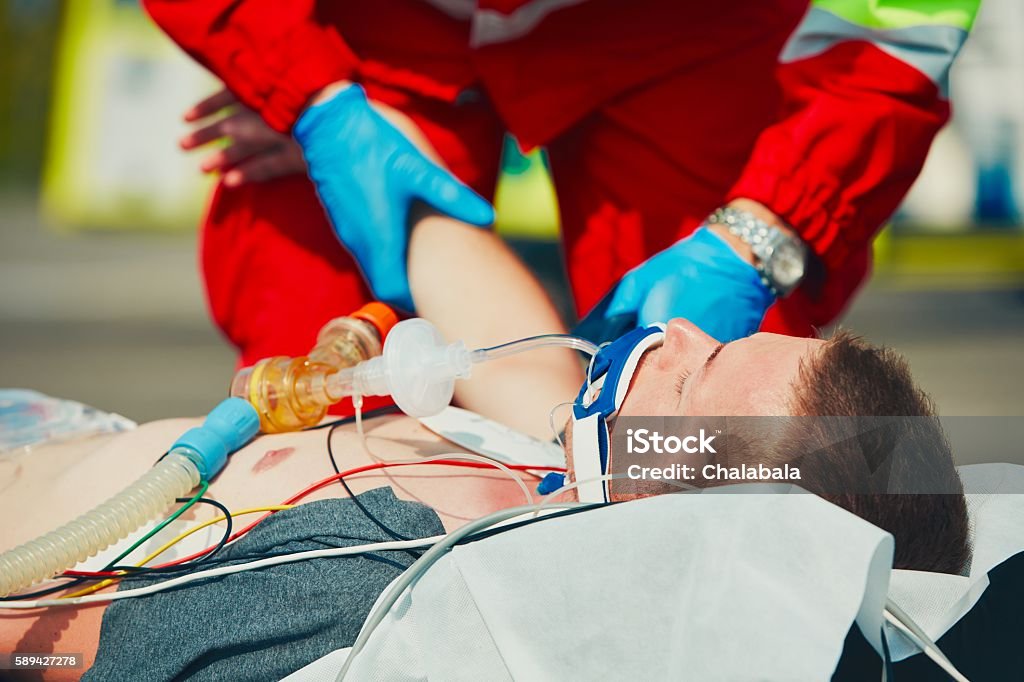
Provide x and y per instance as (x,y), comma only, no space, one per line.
(465,280)
(468,282)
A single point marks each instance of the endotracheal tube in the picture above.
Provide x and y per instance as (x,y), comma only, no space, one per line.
(418,369)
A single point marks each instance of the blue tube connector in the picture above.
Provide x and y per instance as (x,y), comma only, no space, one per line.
(229,426)
(550,483)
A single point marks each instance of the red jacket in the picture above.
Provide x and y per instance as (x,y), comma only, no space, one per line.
(863,86)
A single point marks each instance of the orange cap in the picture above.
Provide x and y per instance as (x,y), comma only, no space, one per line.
(379,315)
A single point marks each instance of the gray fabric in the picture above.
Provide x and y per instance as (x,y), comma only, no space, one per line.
(263,624)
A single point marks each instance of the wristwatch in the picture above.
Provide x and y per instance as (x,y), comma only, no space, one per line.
(781,258)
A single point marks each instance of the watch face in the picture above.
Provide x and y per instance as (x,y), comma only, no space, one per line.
(787,264)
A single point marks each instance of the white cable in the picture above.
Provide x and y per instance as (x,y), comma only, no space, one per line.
(475,458)
(571,486)
(905,624)
(391,545)
(590,374)
(357,403)
(551,422)
(384,604)
(225,570)
(271,561)
(929,651)
(606,477)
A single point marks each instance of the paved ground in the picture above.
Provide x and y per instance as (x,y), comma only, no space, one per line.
(117,321)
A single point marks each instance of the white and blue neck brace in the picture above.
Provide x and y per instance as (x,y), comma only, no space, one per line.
(609,376)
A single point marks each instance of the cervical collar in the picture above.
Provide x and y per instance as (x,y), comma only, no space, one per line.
(609,376)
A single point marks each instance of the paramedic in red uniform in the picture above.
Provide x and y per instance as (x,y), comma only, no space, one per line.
(728,162)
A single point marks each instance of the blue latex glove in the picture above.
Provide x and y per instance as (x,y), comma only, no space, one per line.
(367,174)
(700,278)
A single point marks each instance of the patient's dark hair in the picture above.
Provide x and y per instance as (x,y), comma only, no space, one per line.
(851,378)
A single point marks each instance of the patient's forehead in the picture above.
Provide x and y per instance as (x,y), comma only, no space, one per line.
(756,376)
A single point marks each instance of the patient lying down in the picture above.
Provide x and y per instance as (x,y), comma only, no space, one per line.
(264,624)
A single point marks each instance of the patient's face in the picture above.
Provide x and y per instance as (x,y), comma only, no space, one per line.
(692,374)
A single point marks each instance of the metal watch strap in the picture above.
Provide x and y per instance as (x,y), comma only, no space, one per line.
(755,232)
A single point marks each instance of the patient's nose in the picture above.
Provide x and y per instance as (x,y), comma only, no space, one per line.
(686,342)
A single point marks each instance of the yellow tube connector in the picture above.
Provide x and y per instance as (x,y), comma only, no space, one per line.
(293,393)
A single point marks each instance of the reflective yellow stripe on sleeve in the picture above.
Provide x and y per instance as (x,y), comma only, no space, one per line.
(926,34)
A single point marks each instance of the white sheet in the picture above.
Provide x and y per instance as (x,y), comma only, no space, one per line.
(715,586)
(703,584)
(995,503)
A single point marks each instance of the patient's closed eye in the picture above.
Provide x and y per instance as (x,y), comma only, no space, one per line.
(681,380)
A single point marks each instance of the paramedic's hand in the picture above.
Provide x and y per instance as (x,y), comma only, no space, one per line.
(700,278)
(253,151)
(367,174)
